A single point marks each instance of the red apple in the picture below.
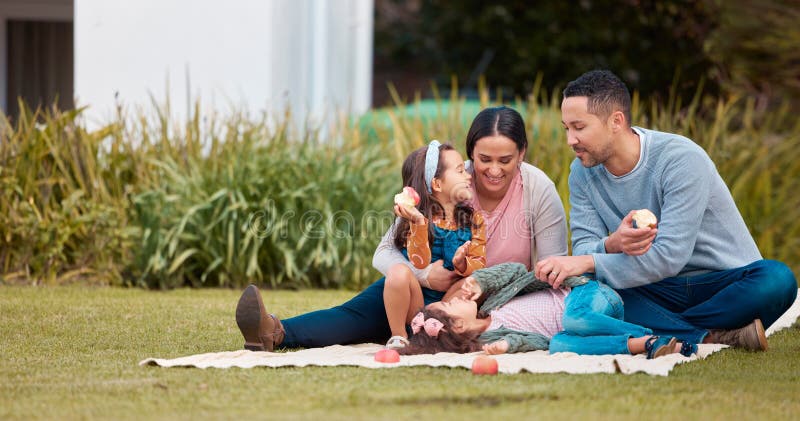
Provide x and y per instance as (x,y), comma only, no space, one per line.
(387,356)
(484,365)
(412,193)
(408,197)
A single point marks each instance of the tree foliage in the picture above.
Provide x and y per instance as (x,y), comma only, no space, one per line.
(657,47)
(756,49)
(510,42)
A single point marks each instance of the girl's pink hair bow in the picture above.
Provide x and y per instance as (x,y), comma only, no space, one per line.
(432,326)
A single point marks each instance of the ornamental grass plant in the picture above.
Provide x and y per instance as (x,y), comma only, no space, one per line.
(229,199)
(260,206)
(64,207)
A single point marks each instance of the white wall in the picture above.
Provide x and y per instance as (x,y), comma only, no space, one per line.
(258,54)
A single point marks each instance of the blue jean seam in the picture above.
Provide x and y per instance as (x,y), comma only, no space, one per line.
(613,299)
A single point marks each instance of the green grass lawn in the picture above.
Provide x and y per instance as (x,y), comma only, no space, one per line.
(72,353)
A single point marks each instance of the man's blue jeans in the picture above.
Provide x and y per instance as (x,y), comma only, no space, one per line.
(593,323)
(687,307)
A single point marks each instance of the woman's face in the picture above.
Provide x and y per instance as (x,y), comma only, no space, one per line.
(496,161)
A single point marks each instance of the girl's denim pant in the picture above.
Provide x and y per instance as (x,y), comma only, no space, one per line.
(360,320)
(688,306)
(593,323)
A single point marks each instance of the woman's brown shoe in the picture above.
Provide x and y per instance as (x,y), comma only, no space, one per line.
(261,331)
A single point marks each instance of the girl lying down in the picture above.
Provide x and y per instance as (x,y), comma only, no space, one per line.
(521,313)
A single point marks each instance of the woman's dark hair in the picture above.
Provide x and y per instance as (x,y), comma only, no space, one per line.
(497,121)
(414,176)
(446,341)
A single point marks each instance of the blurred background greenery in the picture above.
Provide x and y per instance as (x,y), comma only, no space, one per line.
(733,46)
(225,200)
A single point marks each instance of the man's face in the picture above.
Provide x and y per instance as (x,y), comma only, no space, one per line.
(587,134)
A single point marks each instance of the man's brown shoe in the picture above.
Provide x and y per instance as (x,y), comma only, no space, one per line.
(261,331)
(751,337)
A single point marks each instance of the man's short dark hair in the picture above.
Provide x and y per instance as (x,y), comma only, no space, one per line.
(606,92)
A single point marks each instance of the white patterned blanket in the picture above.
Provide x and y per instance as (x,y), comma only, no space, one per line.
(533,362)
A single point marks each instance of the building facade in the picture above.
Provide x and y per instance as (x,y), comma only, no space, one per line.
(314,56)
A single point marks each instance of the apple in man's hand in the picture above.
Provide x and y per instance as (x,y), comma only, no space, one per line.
(644,218)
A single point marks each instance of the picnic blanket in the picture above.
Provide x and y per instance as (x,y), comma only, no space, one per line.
(362,355)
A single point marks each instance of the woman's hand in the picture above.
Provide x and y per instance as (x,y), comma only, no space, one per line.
(410,213)
(471,289)
(555,269)
(629,240)
(460,257)
(494,348)
(439,278)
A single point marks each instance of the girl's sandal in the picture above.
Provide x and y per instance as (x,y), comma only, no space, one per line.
(396,342)
(656,346)
(688,348)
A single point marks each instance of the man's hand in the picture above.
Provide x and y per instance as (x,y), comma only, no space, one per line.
(499,347)
(439,278)
(555,269)
(460,257)
(629,240)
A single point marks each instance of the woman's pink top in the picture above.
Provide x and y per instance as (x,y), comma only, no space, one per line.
(507,229)
(509,240)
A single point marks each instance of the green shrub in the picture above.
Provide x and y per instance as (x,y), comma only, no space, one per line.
(58,220)
(229,200)
(261,207)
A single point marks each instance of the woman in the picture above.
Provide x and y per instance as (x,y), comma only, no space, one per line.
(524,215)
(525,222)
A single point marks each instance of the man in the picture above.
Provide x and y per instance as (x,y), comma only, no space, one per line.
(698,275)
